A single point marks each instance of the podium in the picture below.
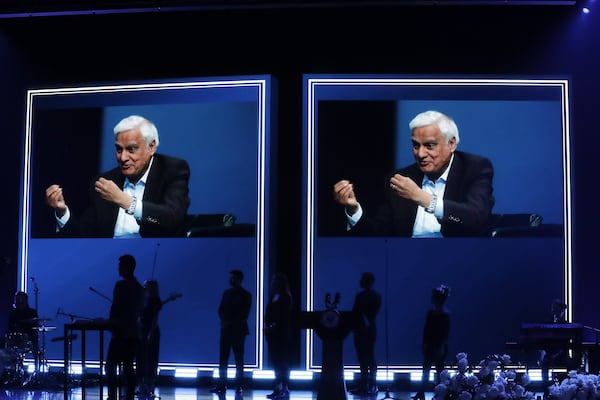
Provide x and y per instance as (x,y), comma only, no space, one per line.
(332,327)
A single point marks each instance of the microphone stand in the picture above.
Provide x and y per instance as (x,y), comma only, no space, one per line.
(39,378)
(154,262)
(69,338)
(71,316)
(387,355)
(36,293)
(101,295)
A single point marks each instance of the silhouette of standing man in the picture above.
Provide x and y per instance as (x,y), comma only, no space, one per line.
(435,337)
(127,301)
(233,313)
(366,307)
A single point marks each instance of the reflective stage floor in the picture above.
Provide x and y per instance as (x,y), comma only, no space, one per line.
(187,393)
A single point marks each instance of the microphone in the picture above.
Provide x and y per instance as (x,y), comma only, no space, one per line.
(58,312)
(100,294)
(32,278)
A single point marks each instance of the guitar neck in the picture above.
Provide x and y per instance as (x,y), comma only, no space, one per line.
(171,298)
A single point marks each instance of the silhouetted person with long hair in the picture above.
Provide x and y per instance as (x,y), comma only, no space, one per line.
(366,306)
(128,297)
(234,310)
(435,337)
(278,333)
(147,359)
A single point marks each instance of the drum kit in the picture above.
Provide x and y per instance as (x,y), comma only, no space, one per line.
(18,346)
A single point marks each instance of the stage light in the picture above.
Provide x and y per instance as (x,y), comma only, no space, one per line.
(417,376)
(263,374)
(186,373)
(301,375)
(586,6)
(385,376)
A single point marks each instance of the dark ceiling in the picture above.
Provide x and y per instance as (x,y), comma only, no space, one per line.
(31,8)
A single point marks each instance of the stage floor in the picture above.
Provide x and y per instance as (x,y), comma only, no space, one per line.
(187,393)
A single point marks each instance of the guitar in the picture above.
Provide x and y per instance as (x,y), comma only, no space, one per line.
(172,297)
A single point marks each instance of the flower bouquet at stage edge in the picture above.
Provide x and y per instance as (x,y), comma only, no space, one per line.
(576,386)
(494,380)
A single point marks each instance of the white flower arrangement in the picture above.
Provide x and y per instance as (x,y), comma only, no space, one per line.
(494,381)
(576,386)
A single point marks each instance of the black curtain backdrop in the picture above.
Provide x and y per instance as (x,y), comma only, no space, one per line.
(79,130)
(359,130)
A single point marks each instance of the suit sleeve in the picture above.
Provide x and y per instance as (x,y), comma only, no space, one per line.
(468,207)
(166,200)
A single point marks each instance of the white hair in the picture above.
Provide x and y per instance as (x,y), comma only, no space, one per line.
(145,126)
(444,123)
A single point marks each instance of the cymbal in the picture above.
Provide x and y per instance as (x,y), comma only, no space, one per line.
(44,328)
(36,320)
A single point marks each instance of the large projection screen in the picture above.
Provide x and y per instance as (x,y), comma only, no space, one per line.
(356,128)
(221,127)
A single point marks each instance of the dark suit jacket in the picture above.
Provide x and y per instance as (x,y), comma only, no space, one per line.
(165,203)
(234,310)
(367,304)
(126,307)
(468,202)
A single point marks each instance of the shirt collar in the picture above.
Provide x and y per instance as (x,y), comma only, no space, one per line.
(144,177)
(444,177)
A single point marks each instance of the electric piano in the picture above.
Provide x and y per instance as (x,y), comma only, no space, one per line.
(574,337)
(544,336)
(91,324)
(561,338)
(100,325)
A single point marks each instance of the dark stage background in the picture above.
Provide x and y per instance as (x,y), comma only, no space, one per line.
(287,42)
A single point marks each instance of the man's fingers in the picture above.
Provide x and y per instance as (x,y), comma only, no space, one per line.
(340,185)
(54,193)
(345,190)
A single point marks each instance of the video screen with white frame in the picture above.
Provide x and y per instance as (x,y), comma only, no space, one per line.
(222,128)
(357,129)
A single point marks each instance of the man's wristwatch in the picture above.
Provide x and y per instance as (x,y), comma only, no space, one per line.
(131,208)
(431,207)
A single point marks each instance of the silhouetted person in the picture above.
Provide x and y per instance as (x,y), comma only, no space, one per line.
(557,354)
(22,334)
(147,359)
(128,296)
(22,318)
(558,310)
(366,306)
(278,333)
(234,309)
(435,337)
